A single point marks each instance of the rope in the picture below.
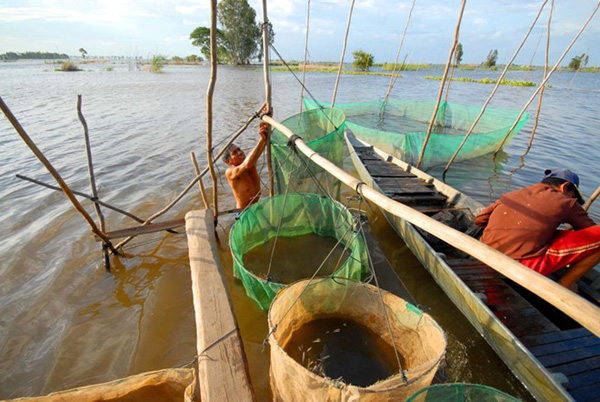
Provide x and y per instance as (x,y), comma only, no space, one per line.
(337,79)
(305,55)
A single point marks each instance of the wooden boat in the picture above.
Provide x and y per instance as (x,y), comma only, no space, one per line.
(554,363)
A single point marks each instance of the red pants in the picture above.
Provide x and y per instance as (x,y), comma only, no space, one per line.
(567,247)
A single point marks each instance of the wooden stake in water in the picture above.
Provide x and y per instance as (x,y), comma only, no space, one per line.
(267,78)
(65,188)
(88,150)
(200,183)
(209,102)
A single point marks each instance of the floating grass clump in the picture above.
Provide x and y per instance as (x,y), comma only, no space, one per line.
(405,67)
(513,83)
(334,71)
(110,68)
(68,66)
(158,62)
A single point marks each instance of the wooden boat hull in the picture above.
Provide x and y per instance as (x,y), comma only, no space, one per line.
(517,357)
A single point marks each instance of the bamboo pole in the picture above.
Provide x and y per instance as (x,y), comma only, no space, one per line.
(576,307)
(267,79)
(195,180)
(65,188)
(487,101)
(592,198)
(539,108)
(543,83)
(90,163)
(392,80)
(305,56)
(441,90)
(339,72)
(200,183)
(209,102)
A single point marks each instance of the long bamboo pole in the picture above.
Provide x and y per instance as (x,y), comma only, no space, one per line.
(576,307)
(59,180)
(392,80)
(539,107)
(487,101)
(442,84)
(267,78)
(305,56)
(339,72)
(198,177)
(90,163)
(209,102)
(543,83)
(592,198)
(200,183)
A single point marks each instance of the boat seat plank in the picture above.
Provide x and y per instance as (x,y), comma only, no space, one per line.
(568,356)
(557,336)
(423,200)
(380,168)
(582,366)
(403,182)
(583,379)
(590,393)
(570,344)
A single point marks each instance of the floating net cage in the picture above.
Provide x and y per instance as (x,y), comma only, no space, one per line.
(323,131)
(460,392)
(418,339)
(400,127)
(292,215)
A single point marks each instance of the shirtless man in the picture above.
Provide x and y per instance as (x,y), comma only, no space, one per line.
(241,173)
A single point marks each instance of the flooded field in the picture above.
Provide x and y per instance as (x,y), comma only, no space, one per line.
(66,322)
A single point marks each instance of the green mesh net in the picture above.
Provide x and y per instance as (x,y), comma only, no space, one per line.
(323,131)
(292,215)
(460,392)
(400,128)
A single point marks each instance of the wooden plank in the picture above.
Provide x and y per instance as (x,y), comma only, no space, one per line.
(590,393)
(585,378)
(581,366)
(568,356)
(422,200)
(555,337)
(222,365)
(149,228)
(570,344)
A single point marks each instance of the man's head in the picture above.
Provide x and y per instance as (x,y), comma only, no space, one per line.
(234,155)
(565,180)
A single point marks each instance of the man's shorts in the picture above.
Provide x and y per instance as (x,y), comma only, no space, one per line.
(567,247)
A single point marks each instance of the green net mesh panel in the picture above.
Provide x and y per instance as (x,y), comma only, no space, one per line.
(299,214)
(460,392)
(400,128)
(323,131)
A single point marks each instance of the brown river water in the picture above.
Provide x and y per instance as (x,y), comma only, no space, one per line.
(66,322)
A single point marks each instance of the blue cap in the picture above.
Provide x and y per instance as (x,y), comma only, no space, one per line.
(566,175)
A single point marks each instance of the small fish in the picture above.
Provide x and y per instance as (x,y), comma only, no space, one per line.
(337,330)
(317,340)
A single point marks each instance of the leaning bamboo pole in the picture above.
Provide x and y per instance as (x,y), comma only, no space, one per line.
(200,183)
(90,163)
(305,56)
(209,102)
(441,90)
(59,180)
(576,307)
(539,107)
(339,72)
(499,81)
(267,78)
(592,198)
(543,83)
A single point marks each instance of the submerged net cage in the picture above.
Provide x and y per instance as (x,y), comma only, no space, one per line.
(400,127)
(323,131)
(460,392)
(293,215)
(418,339)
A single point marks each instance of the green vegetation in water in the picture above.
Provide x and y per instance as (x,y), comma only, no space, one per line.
(295,258)
(513,83)
(343,349)
(68,66)
(334,71)
(158,62)
(110,68)
(406,67)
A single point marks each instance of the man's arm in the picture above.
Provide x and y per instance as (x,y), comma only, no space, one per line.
(483,217)
(233,172)
(579,218)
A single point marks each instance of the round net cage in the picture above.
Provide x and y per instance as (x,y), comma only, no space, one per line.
(399,354)
(460,392)
(400,127)
(265,227)
(322,129)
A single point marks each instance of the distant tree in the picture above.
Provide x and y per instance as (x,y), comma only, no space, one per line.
(158,62)
(192,58)
(177,59)
(362,60)
(491,59)
(240,29)
(579,62)
(458,54)
(83,52)
(201,37)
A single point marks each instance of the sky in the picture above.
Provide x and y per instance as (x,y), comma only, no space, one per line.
(147,27)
